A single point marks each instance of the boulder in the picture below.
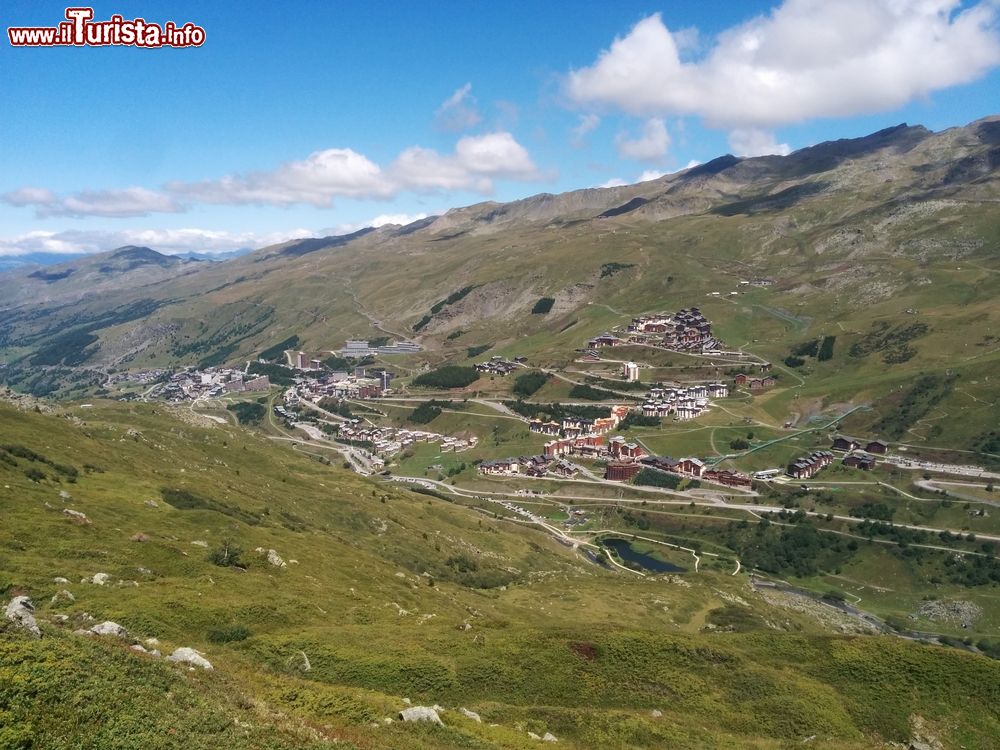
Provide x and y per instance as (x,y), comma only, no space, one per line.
(549,737)
(21,612)
(60,579)
(61,597)
(109,628)
(656,713)
(139,648)
(151,504)
(81,631)
(99,579)
(200,543)
(534,736)
(420,713)
(186,655)
(272,557)
(139,537)
(471,714)
(75,515)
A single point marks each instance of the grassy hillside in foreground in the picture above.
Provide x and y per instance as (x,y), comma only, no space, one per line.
(373,610)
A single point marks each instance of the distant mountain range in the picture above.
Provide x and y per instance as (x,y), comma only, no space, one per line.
(848,235)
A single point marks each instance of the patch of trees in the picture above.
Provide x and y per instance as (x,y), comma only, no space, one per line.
(556,412)
(277,374)
(186,500)
(800,550)
(543,306)
(454,334)
(610,269)
(739,444)
(589,393)
(427,411)
(451,299)
(449,376)
(892,342)
(475,351)
(248,412)
(278,350)
(654,478)
(635,419)
(926,393)
(11,452)
(878,511)
(820,349)
(807,349)
(337,406)
(528,383)
(338,363)
(826,348)
(437,307)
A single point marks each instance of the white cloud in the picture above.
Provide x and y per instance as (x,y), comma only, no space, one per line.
(692,163)
(806,59)
(459,111)
(754,142)
(317,180)
(477,161)
(650,174)
(613,182)
(133,201)
(652,145)
(587,124)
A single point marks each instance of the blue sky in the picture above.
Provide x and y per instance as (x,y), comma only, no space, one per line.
(325,116)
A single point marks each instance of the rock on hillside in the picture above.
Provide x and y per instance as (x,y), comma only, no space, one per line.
(21,612)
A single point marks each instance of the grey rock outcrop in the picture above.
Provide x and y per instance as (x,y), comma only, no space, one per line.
(471,714)
(109,628)
(185,655)
(420,713)
(549,737)
(21,612)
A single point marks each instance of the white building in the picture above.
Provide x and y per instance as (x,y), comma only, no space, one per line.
(631,372)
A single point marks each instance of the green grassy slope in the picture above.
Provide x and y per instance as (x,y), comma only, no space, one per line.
(384,582)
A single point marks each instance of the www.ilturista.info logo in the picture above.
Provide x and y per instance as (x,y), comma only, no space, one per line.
(80,30)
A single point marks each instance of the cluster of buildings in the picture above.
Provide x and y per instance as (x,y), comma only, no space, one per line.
(360,384)
(390,440)
(681,403)
(857,458)
(685,330)
(691,468)
(499,365)
(809,466)
(572,427)
(755,384)
(212,382)
(360,348)
(531,466)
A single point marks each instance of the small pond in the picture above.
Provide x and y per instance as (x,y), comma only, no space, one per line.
(624,550)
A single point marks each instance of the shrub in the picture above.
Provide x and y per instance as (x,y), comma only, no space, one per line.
(226,556)
(229,634)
